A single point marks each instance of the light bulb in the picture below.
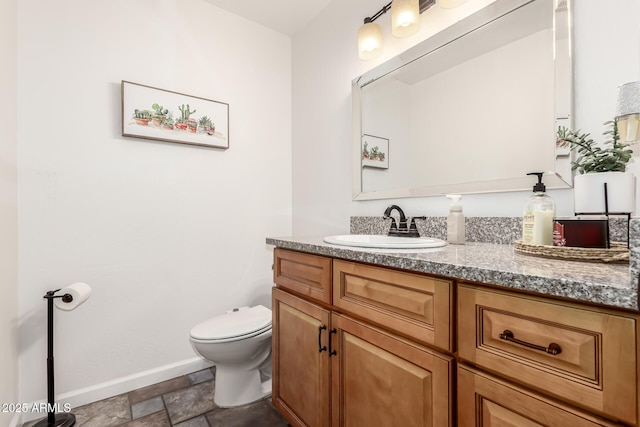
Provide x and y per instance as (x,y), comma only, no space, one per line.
(369,41)
(405,17)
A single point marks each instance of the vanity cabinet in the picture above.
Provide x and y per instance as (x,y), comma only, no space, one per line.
(577,354)
(362,345)
(332,368)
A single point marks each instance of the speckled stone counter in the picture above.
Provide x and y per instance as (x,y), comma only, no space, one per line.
(497,264)
(478,229)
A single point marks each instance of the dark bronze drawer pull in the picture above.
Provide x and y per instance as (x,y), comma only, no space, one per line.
(332,352)
(553,348)
(321,347)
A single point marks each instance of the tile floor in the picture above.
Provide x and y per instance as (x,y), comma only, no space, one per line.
(185,401)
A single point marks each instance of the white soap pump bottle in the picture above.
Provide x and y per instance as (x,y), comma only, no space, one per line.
(455,221)
(537,220)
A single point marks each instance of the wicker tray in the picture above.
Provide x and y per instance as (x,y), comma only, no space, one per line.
(617,253)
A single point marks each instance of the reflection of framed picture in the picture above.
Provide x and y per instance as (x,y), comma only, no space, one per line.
(152,113)
(375,152)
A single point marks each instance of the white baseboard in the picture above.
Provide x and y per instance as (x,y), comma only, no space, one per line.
(122,385)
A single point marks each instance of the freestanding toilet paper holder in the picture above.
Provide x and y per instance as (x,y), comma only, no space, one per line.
(65,419)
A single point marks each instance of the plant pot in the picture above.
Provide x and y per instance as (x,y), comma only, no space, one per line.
(588,192)
(169,127)
(140,121)
(192,125)
(181,126)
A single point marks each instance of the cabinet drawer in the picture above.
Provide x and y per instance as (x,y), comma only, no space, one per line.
(579,355)
(306,274)
(414,305)
(484,400)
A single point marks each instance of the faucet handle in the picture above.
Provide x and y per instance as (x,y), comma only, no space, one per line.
(413,219)
(413,228)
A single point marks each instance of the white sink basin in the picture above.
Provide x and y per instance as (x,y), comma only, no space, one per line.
(384,242)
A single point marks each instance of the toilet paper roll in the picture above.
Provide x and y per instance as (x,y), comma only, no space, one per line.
(79,292)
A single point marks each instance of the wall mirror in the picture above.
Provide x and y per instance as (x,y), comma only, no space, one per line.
(471,109)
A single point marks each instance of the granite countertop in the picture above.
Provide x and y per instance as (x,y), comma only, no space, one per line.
(495,264)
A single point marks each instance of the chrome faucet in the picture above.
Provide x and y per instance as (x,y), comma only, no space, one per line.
(400,228)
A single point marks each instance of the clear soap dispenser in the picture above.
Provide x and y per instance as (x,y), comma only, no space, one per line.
(537,220)
(455,221)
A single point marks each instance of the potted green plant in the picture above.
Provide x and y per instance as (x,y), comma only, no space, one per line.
(159,114)
(168,123)
(206,125)
(180,124)
(597,165)
(142,117)
(186,119)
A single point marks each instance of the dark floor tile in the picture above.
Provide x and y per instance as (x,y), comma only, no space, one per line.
(190,402)
(200,421)
(269,400)
(104,413)
(255,414)
(159,389)
(147,407)
(32,423)
(200,376)
(159,419)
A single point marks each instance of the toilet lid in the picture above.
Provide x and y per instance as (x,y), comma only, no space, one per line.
(233,324)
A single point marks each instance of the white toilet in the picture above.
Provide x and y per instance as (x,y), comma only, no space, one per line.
(239,344)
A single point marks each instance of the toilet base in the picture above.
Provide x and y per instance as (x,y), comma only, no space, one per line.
(235,388)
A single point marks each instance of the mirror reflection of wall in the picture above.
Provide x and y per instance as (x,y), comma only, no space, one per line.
(481,108)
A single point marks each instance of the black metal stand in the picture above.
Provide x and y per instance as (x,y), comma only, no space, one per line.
(53,419)
(607,213)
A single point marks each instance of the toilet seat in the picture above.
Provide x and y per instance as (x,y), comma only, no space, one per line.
(233,326)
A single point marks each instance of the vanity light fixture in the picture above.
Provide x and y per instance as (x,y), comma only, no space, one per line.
(405,21)
(628,112)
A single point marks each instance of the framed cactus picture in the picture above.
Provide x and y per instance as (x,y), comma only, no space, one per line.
(375,152)
(164,115)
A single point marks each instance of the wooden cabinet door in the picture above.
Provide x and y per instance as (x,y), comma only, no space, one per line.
(301,374)
(381,380)
(486,401)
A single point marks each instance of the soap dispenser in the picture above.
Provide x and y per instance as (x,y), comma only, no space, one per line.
(537,220)
(455,221)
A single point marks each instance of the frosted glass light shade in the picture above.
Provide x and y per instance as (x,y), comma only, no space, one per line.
(369,41)
(629,129)
(628,112)
(450,4)
(405,17)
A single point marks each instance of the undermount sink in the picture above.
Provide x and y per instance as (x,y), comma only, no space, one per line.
(384,242)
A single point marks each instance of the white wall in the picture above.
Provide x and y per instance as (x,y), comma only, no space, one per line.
(8,211)
(325,59)
(166,234)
